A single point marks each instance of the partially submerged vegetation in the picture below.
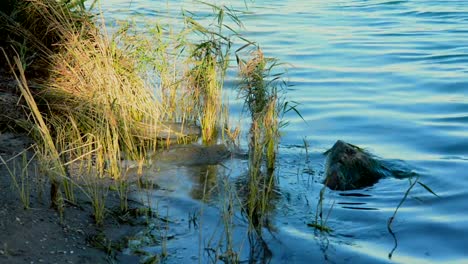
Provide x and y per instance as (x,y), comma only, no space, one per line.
(93,100)
(263,102)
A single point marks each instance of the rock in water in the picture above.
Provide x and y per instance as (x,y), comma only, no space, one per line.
(349,167)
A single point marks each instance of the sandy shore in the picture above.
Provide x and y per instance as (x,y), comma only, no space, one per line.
(39,235)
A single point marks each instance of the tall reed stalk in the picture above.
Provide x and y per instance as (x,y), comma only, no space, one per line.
(261,100)
(209,60)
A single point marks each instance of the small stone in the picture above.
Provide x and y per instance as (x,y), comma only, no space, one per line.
(71,252)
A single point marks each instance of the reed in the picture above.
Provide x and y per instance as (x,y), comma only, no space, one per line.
(221,245)
(84,113)
(209,58)
(157,53)
(20,180)
(191,64)
(206,91)
(260,91)
(411,182)
(320,221)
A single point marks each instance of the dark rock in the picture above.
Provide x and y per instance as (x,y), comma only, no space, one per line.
(349,167)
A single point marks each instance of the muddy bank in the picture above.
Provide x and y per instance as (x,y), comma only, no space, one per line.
(40,235)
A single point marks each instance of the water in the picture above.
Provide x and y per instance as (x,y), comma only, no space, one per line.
(389,76)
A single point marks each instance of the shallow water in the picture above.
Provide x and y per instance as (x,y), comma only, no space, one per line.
(389,76)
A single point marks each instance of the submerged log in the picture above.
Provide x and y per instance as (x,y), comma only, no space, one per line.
(189,155)
(193,155)
(349,167)
(167,131)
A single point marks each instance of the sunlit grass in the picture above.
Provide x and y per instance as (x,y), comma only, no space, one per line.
(260,91)
(88,111)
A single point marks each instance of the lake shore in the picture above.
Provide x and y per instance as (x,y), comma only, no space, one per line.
(38,235)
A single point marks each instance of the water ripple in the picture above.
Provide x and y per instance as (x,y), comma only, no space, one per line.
(389,76)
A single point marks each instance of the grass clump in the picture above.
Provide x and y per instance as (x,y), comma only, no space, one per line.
(92,107)
(209,59)
(190,63)
(259,87)
(20,179)
(93,100)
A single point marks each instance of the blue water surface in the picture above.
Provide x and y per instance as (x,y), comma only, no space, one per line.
(388,76)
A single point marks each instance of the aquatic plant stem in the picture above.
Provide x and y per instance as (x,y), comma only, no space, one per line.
(390,220)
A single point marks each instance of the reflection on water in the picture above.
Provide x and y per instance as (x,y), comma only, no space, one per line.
(206,179)
(389,76)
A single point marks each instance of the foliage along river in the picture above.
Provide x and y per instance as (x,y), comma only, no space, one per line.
(389,76)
